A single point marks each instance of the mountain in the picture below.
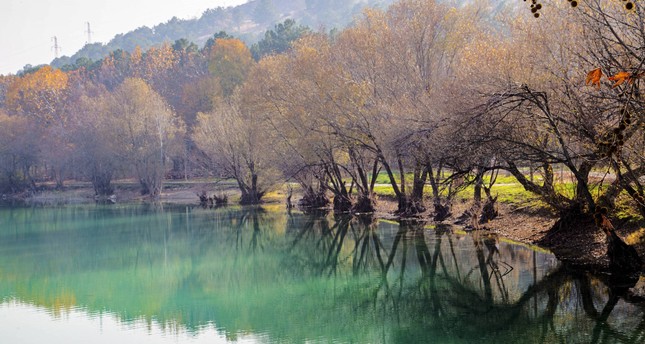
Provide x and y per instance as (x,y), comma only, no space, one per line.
(248,22)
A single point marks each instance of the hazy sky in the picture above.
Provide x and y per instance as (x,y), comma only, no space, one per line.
(27,26)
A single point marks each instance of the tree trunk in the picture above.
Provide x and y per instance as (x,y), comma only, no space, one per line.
(407,206)
(489,210)
(342,203)
(364,204)
(102,183)
(545,191)
(577,227)
(623,258)
(313,198)
(289,195)
(441,211)
(251,197)
(145,188)
(418,185)
(59,177)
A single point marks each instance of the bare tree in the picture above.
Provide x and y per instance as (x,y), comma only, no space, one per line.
(146,131)
(552,119)
(405,59)
(240,147)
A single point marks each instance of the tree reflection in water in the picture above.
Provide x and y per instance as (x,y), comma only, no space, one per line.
(294,277)
(429,284)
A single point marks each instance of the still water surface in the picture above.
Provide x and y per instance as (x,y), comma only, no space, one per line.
(169,274)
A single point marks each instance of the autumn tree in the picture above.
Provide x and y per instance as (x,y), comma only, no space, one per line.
(18,152)
(97,150)
(115,68)
(549,117)
(618,133)
(43,97)
(369,99)
(239,147)
(307,101)
(40,95)
(229,61)
(404,57)
(210,42)
(146,132)
(201,95)
(5,81)
(189,88)
(157,67)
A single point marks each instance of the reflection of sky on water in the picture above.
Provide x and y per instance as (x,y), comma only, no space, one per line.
(27,324)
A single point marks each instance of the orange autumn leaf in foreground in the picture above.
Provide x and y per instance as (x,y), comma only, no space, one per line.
(621,77)
(594,76)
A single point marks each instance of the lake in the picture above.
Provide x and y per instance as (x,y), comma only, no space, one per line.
(183,274)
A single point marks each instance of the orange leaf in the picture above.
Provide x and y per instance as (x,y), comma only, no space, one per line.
(621,77)
(593,77)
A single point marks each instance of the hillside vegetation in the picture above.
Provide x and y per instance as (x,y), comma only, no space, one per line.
(248,22)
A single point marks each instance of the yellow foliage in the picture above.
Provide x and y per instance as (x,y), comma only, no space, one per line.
(158,60)
(230,61)
(40,94)
(136,55)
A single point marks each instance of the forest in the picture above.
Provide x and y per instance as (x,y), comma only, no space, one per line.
(432,95)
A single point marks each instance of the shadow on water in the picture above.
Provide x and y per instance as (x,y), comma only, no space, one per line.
(294,276)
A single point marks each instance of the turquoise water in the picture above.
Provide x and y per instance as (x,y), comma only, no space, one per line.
(171,274)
